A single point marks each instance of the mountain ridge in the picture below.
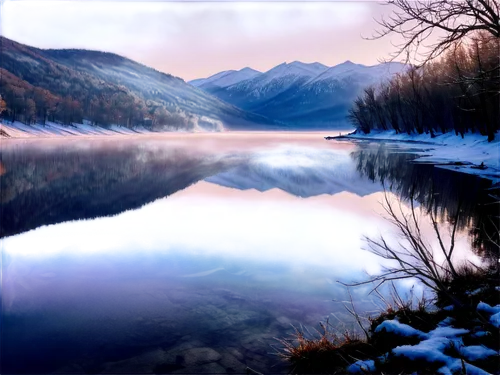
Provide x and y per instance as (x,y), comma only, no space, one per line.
(226,78)
(106,88)
(304,94)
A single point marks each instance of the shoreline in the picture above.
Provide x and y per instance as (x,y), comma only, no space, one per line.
(20,131)
(472,154)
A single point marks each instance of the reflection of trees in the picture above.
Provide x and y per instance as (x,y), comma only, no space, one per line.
(447,193)
(41,187)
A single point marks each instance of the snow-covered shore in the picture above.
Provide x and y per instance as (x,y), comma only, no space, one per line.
(448,348)
(472,154)
(51,129)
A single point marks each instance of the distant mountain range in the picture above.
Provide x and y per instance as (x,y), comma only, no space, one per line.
(71,85)
(302,95)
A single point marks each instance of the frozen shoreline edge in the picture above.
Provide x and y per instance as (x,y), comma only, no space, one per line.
(472,154)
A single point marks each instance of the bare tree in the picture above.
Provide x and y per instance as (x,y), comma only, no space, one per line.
(457,92)
(454,20)
(415,258)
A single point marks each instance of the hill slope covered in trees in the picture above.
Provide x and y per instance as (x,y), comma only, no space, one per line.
(68,86)
(458,92)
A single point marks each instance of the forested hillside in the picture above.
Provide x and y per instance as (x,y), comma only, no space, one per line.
(69,86)
(458,92)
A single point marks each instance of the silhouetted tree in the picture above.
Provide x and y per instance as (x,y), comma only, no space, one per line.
(456,92)
(416,21)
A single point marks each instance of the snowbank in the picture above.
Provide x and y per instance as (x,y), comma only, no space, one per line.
(51,129)
(400,329)
(472,154)
(477,352)
(493,311)
(431,349)
(442,347)
(484,307)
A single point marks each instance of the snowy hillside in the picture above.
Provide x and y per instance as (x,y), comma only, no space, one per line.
(305,95)
(282,78)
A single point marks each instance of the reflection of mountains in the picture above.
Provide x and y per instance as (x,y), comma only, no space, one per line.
(300,172)
(47,186)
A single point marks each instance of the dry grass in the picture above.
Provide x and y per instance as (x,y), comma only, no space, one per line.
(470,286)
(462,286)
(411,310)
(323,351)
(327,352)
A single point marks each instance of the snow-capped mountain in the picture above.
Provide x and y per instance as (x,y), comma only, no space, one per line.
(300,171)
(373,73)
(226,78)
(256,91)
(305,95)
(326,98)
(293,71)
(200,81)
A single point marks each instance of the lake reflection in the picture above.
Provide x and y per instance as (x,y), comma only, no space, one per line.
(217,245)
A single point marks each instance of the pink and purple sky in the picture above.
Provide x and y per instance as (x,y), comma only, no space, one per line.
(197,39)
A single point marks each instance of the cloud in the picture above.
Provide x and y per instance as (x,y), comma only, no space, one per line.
(58,23)
(189,38)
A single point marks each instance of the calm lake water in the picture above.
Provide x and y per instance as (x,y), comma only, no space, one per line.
(192,253)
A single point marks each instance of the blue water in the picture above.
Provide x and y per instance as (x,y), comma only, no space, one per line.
(151,257)
(158,307)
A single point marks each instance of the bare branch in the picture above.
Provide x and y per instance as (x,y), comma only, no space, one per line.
(417,259)
(416,21)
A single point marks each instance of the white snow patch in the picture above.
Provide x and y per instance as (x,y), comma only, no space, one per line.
(495,320)
(400,329)
(475,352)
(362,367)
(428,350)
(434,344)
(484,307)
(432,351)
(448,332)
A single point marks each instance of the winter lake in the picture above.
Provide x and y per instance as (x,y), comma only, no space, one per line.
(191,253)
